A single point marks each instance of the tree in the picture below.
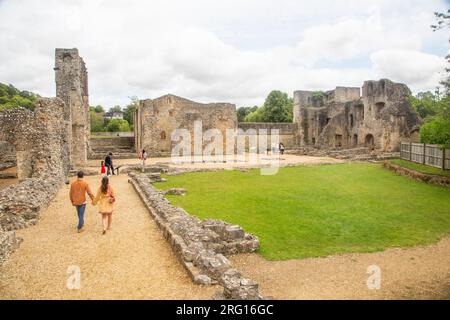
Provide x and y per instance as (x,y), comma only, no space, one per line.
(277,107)
(428,104)
(436,131)
(242,112)
(118,125)
(11,97)
(443,21)
(115,109)
(255,116)
(99,109)
(128,111)
(97,122)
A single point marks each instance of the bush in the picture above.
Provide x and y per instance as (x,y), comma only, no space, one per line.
(436,131)
(118,125)
(97,122)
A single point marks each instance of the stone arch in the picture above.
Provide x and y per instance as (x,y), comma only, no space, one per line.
(369,141)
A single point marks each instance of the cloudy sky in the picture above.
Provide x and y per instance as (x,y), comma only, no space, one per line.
(229,51)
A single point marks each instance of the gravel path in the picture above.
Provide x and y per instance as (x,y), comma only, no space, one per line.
(132,261)
(413,273)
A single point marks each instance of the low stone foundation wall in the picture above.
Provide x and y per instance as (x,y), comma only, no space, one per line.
(8,242)
(39,138)
(424,177)
(201,246)
(21,204)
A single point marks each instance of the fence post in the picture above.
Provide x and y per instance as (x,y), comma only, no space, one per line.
(443,158)
(424,150)
(410,151)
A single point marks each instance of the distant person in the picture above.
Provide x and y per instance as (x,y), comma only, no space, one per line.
(281,148)
(105,198)
(77,194)
(143,158)
(103,168)
(109,164)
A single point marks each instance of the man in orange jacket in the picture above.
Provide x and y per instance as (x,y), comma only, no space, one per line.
(78,190)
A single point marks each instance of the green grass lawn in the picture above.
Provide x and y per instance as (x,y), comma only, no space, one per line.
(322,210)
(421,168)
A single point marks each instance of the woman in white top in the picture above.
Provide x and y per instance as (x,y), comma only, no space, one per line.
(143,158)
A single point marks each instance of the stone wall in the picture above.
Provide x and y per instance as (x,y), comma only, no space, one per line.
(40,140)
(201,246)
(340,119)
(419,176)
(287,132)
(156,120)
(7,155)
(72,87)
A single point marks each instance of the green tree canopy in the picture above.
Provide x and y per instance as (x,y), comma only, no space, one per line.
(118,125)
(128,111)
(277,108)
(428,104)
(11,97)
(97,122)
(99,109)
(115,109)
(242,112)
(436,131)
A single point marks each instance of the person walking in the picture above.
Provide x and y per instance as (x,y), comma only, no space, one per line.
(77,194)
(143,158)
(105,198)
(103,168)
(109,164)
(281,148)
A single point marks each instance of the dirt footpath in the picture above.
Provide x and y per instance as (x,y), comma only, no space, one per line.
(132,261)
(414,273)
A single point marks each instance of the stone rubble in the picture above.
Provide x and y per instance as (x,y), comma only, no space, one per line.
(201,246)
(40,145)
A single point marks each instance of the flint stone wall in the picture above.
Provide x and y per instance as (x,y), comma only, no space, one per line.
(40,140)
(378,119)
(7,155)
(157,119)
(201,246)
(419,176)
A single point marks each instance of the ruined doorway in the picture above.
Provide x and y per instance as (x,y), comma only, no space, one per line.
(355,140)
(370,141)
(338,141)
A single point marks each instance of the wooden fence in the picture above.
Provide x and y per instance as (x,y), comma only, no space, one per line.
(427,154)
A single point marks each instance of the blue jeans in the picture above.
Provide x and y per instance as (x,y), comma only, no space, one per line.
(80,211)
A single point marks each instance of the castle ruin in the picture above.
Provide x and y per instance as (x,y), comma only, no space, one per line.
(72,87)
(156,119)
(343,118)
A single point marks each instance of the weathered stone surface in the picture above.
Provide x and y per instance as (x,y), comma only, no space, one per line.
(202,279)
(342,118)
(200,245)
(8,242)
(176,191)
(39,138)
(72,87)
(157,119)
(7,155)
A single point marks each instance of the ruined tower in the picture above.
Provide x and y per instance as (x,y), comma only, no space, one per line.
(72,87)
(380,118)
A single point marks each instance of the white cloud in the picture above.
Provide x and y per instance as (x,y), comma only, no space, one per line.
(417,69)
(233,51)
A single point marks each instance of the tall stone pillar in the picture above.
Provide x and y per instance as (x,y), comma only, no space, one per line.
(71,87)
